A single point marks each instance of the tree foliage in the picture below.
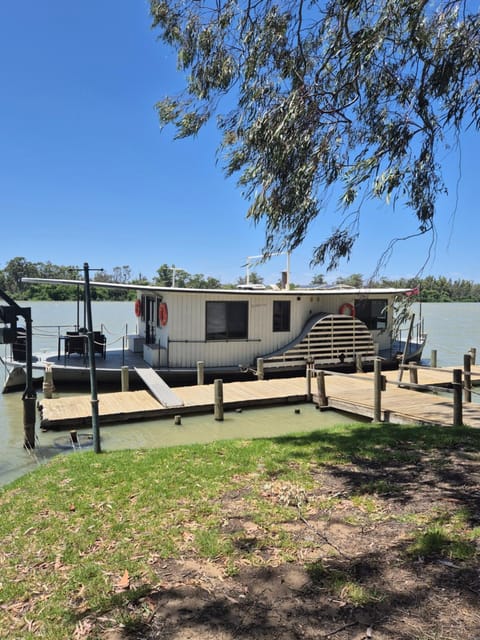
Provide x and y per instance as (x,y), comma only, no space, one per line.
(357,97)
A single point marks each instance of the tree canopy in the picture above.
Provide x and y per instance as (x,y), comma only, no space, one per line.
(354,97)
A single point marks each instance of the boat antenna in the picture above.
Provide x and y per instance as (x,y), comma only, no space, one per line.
(174,271)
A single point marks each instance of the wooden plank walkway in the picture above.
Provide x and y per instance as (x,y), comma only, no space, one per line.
(158,387)
(349,393)
(75,411)
(399,405)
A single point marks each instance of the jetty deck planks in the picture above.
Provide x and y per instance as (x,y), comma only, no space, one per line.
(349,393)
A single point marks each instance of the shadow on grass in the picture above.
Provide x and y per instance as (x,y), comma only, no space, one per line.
(387,583)
(393,459)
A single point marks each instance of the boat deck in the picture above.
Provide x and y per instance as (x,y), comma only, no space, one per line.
(353,394)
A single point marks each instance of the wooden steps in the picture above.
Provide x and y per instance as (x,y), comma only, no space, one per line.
(331,339)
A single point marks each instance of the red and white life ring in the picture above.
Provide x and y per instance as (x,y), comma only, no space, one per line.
(347,309)
(138,307)
(163,314)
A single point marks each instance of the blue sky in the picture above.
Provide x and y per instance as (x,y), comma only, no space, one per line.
(86,175)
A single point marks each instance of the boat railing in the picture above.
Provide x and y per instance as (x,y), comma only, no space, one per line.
(46,337)
(417,336)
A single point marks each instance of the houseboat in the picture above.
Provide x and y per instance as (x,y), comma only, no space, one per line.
(230,333)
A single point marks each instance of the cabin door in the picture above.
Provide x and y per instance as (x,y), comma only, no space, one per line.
(150,319)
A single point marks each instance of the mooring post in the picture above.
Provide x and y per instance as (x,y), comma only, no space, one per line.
(473,353)
(218,387)
(467,377)
(260,369)
(433,358)
(47,386)
(377,390)
(358,363)
(200,372)
(412,368)
(309,374)
(457,398)
(322,396)
(125,378)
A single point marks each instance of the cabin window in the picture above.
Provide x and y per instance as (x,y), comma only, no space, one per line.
(281,315)
(372,312)
(227,320)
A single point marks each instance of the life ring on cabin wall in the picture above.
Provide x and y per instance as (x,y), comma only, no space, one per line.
(162,314)
(347,309)
(138,307)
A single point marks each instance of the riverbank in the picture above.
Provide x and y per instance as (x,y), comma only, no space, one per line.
(357,531)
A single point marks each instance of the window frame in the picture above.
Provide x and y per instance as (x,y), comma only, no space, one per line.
(228,332)
(281,319)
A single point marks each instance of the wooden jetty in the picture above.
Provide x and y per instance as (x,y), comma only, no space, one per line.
(401,402)
(75,411)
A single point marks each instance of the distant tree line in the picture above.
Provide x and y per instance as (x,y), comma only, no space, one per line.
(431,289)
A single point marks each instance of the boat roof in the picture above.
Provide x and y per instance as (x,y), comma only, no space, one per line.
(145,288)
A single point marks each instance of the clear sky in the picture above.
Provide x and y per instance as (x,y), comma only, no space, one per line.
(86,175)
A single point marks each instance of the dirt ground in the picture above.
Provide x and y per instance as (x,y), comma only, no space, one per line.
(409,597)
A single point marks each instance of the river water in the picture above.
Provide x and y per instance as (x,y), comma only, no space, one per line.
(452,328)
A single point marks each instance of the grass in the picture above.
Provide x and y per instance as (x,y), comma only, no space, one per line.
(70,530)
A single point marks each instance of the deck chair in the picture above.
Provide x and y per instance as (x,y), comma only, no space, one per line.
(75,344)
(99,344)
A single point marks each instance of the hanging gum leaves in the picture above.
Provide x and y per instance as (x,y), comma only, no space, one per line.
(358,96)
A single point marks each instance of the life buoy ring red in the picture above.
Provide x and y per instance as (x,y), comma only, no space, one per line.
(163,314)
(138,307)
(347,309)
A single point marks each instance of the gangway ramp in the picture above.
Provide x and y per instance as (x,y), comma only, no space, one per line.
(159,388)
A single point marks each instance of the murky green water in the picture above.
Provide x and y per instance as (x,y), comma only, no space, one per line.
(252,423)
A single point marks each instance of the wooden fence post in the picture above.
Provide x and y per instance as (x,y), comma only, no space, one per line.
(457,398)
(218,386)
(467,377)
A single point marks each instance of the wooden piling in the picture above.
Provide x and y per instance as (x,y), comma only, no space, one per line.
(433,358)
(218,388)
(467,377)
(200,372)
(358,363)
(322,396)
(309,374)
(124,378)
(473,354)
(413,370)
(47,386)
(457,398)
(260,369)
